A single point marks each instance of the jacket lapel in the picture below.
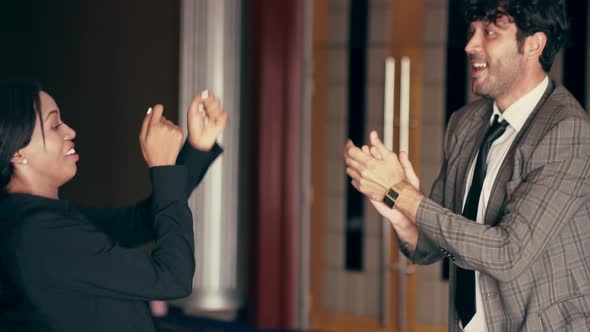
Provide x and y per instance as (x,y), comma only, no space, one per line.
(532,128)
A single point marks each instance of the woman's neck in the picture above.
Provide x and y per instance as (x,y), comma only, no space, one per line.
(19,187)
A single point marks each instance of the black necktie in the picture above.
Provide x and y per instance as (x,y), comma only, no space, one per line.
(465,280)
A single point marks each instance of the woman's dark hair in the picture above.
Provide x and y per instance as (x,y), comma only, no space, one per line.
(19,105)
(530,16)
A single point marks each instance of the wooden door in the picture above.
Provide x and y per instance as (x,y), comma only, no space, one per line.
(371,295)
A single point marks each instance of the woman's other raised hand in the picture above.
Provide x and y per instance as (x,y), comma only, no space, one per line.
(206,121)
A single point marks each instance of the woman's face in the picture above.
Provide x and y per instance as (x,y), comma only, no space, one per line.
(51,160)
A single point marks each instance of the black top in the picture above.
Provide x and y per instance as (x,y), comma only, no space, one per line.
(64,268)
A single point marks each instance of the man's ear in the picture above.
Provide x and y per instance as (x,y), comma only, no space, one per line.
(18,158)
(535,44)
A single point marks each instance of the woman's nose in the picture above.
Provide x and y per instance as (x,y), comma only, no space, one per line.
(71,134)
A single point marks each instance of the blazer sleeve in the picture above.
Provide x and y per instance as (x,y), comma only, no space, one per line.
(554,189)
(132,226)
(427,251)
(77,256)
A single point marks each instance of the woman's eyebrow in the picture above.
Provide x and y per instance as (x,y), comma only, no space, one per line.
(51,113)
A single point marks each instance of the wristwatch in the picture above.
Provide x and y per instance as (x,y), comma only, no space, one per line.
(393,192)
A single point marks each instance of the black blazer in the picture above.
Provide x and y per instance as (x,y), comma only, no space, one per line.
(63,268)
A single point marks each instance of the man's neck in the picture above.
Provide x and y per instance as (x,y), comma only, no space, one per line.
(519,90)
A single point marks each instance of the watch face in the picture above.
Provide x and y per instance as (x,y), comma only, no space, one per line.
(388,201)
(390,198)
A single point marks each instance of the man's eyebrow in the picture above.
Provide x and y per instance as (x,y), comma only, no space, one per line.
(502,25)
(503,22)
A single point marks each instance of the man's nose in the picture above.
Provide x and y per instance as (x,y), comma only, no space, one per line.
(473,45)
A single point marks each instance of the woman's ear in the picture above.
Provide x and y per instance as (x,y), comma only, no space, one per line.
(18,158)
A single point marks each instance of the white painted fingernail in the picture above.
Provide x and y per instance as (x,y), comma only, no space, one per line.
(205,94)
(149,110)
(201,109)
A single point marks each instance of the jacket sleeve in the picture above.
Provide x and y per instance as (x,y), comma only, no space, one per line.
(556,187)
(427,251)
(132,226)
(77,256)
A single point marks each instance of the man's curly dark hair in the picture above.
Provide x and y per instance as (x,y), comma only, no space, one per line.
(530,16)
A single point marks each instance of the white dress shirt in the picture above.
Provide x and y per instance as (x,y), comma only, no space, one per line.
(516,115)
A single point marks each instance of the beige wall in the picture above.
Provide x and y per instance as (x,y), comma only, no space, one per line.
(432,291)
(351,292)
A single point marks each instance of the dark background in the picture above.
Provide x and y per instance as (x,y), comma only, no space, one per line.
(104,62)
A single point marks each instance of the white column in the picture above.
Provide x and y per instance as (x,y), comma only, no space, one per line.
(210,59)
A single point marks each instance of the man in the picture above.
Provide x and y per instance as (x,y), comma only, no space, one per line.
(511,205)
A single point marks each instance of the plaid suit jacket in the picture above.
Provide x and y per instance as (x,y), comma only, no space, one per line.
(533,251)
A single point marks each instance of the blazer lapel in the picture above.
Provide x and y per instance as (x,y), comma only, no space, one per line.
(532,129)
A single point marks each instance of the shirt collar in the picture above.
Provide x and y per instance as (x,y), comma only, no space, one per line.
(517,113)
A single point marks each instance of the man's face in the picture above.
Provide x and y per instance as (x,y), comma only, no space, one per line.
(496,63)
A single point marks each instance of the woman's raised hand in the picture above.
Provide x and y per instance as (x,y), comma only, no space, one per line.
(160,139)
(206,121)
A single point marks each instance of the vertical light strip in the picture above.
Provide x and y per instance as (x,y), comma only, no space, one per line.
(388,122)
(388,111)
(404,111)
(404,144)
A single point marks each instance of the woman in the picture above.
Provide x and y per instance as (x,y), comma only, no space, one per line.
(63,268)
